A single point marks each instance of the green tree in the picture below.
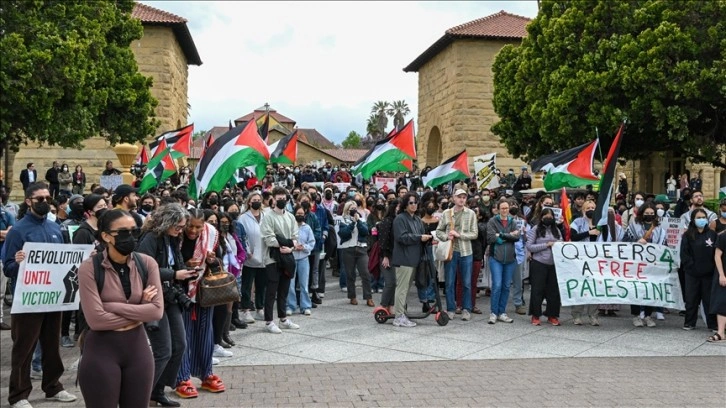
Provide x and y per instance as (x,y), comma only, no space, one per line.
(68,73)
(372,126)
(353,141)
(587,64)
(380,110)
(398,110)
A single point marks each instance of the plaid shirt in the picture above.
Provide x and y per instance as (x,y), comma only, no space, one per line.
(468,230)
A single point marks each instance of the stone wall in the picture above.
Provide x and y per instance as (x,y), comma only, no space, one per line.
(455,97)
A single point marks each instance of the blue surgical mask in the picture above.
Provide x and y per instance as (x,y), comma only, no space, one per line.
(723,214)
(701,222)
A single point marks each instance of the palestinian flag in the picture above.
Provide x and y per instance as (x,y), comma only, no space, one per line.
(394,153)
(722,193)
(284,151)
(600,217)
(239,147)
(455,168)
(159,168)
(265,128)
(571,168)
(179,142)
(143,157)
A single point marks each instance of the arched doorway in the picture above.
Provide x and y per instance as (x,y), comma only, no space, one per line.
(433,150)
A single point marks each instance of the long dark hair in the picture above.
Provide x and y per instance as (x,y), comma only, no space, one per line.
(392,209)
(542,229)
(641,210)
(692,230)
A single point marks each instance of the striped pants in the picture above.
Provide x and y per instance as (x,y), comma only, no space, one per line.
(197,360)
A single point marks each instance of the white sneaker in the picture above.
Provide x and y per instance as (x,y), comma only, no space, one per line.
(504,318)
(288,324)
(577,321)
(659,316)
(260,315)
(62,396)
(402,321)
(649,321)
(451,315)
(36,375)
(288,312)
(307,312)
(272,328)
(492,318)
(23,403)
(637,321)
(219,351)
(215,361)
(465,315)
(344,290)
(247,317)
(321,295)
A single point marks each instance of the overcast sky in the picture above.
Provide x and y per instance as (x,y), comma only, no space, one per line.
(323,64)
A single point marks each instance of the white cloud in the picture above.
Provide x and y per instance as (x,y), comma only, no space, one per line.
(323,64)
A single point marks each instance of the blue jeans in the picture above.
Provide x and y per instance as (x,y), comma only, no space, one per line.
(303,277)
(428,294)
(37,362)
(463,264)
(501,281)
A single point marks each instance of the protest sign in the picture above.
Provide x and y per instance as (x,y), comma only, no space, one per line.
(557,211)
(484,167)
(675,227)
(383,184)
(342,186)
(111,182)
(617,273)
(48,278)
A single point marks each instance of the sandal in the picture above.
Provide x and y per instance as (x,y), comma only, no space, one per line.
(213,384)
(186,389)
(716,338)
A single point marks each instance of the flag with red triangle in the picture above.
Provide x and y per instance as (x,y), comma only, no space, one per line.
(284,151)
(569,168)
(394,153)
(600,217)
(159,168)
(143,156)
(453,169)
(179,141)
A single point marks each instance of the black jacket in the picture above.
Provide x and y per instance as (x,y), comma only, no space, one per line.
(697,254)
(157,247)
(385,237)
(407,245)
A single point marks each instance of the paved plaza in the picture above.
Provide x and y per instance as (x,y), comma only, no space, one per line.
(341,357)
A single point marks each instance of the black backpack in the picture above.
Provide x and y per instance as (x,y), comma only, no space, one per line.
(100,274)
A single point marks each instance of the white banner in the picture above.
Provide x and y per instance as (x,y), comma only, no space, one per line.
(383,184)
(112,181)
(617,273)
(675,227)
(557,211)
(48,278)
(484,167)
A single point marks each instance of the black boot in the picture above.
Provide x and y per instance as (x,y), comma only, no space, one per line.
(159,398)
(236,322)
(315,298)
(225,332)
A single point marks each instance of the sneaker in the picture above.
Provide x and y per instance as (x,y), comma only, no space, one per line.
(288,324)
(67,342)
(219,351)
(642,315)
(649,321)
(321,295)
(344,290)
(451,315)
(577,321)
(637,321)
(492,318)
(288,312)
(504,318)
(686,327)
(535,321)
(215,361)
(465,315)
(23,403)
(594,321)
(402,321)
(553,321)
(659,316)
(272,328)
(458,310)
(307,312)
(62,396)
(521,309)
(36,375)
(247,317)
(260,315)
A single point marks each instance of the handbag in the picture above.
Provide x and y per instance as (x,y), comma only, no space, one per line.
(445,249)
(425,271)
(217,287)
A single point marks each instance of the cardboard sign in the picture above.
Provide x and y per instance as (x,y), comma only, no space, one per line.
(617,273)
(484,167)
(48,278)
(111,182)
(383,184)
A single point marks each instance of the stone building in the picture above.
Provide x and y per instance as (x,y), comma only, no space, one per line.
(455,90)
(164,53)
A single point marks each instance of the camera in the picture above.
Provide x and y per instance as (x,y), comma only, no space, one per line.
(175,294)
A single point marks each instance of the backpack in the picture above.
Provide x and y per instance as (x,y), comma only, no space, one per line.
(100,274)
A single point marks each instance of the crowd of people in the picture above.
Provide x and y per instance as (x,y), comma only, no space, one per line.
(279,236)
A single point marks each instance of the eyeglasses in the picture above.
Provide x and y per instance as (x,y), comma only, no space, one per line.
(124,233)
(412,203)
(42,199)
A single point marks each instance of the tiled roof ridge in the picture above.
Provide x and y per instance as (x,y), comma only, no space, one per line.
(501,13)
(144,13)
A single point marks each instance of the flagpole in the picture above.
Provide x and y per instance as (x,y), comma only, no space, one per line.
(599,145)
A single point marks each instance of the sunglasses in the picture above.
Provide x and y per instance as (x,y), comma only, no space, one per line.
(124,233)
(412,203)
(42,199)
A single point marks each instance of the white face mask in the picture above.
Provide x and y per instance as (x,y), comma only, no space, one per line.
(639,203)
(660,212)
(51,217)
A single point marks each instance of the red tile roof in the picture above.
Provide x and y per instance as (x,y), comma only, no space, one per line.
(501,25)
(153,16)
(313,137)
(346,155)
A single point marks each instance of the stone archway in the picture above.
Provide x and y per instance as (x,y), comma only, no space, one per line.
(434,150)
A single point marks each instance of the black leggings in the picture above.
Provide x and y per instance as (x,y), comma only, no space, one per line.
(218,320)
(117,369)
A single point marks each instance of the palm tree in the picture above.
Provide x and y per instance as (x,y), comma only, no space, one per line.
(398,110)
(372,126)
(380,109)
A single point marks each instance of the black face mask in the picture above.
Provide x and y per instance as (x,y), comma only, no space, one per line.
(77,209)
(255,205)
(353,213)
(294,196)
(234,215)
(359,203)
(42,209)
(380,207)
(125,243)
(513,211)
(328,196)
(305,206)
(100,213)
(223,228)
(547,222)
(314,197)
(589,213)
(648,218)
(430,210)
(299,218)
(147,208)
(213,201)
(281,204)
